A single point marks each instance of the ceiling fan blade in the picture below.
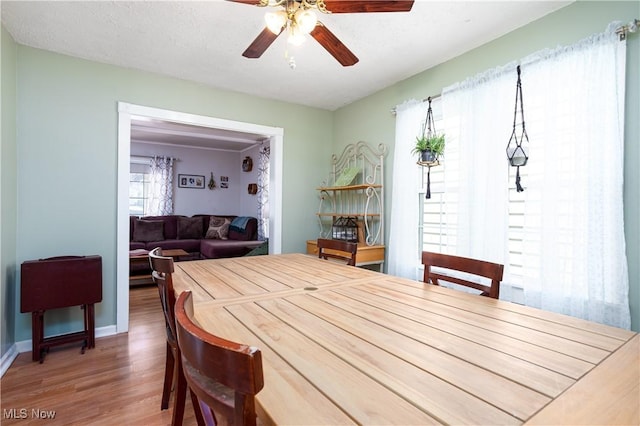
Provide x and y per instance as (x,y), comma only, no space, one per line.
(334,46)
(260,44)
(366,6)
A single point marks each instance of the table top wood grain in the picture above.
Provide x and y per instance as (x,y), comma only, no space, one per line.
(346,345)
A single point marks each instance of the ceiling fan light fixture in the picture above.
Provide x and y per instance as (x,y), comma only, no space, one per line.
(306,20)
(275,21)
(298,18)
(296,36)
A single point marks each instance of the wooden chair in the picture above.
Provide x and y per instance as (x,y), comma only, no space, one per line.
(223,376)
(346,251)
(493,271)
(161,270)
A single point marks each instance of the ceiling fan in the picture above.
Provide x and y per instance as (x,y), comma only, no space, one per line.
(297,17)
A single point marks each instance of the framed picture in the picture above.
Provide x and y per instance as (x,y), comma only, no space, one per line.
(190,181)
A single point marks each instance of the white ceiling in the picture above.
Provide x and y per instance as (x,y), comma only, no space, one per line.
(145,130)
(203,41)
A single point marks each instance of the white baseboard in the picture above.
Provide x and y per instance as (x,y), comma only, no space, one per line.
(25,346)
(109,330)
(7,359)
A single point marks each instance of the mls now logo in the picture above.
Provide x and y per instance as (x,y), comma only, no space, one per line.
(23,413)
(15,413)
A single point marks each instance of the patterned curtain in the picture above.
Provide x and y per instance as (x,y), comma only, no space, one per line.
(263,193)
(160,197)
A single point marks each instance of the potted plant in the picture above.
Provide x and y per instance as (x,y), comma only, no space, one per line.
(429,147)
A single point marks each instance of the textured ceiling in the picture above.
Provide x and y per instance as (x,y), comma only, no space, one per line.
(203,42)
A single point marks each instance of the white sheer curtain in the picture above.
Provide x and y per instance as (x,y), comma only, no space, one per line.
(476,115)
(159,200)
(572,237)
(575,260)
(402,254)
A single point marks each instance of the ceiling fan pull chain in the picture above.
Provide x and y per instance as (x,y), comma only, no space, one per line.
(290,59)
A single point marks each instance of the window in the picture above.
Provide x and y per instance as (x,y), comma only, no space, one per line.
(138,187)
(438,214)
(139,179)
(437,233)
(562,240)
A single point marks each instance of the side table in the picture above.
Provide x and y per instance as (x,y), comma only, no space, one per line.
(59,282)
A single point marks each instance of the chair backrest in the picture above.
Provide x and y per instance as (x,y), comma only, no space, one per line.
(209,360)
(161,270)
(493,271)
(337,249)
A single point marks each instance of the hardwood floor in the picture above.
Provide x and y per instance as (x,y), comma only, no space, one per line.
(118,382)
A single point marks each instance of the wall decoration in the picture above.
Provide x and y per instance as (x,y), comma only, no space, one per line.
(190,181)
(252,188)
(224,182)
(247,164)
(212,182)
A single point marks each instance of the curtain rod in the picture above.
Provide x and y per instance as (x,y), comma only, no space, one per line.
(622,32)
(631,27)
(149,157)
(434,97)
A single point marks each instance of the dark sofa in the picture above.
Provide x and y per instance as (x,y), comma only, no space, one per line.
(190,234)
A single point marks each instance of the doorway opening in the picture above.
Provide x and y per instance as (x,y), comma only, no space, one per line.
(127,112)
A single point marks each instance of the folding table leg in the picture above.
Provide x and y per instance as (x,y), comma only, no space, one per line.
(37,335)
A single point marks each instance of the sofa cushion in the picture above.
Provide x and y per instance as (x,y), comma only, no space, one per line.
(132,224)
(136,245)
(189,228)
(170,225)
(248,232)
(188,245)
(218,228)
(148,230)
(217,249)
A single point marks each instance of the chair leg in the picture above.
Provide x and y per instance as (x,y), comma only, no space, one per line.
(180,394)
(197,409)
(168,377)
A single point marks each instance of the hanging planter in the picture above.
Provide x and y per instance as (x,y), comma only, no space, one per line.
(429,149)
(429,146)
(518,146)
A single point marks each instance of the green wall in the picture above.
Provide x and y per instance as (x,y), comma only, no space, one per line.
(371,118)
(67,157)
(59,147)
(8,172)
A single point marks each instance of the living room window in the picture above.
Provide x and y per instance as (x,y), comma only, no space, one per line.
(139,179)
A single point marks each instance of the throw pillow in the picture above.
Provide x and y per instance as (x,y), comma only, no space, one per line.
(218,228)
(148,230)
(189,227)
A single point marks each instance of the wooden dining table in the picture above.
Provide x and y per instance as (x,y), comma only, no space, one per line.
(346,345)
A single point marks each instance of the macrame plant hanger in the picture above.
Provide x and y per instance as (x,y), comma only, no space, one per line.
(430,132)
(517,153)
